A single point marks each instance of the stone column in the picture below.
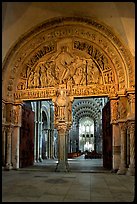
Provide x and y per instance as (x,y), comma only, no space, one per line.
(37,131)
(48,144)
(3,145)
(131,169)
(122,168)
(40,130)
(116,148)
(3,132)
(77,137)
(128,144)
(15,147)
(52,144)
(8,148)
(35,141)
(40,141)
(17,116)
(131,107)
(62,165)
(62,121)
(95,136)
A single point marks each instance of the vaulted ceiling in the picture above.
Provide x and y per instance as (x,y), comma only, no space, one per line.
(90,107)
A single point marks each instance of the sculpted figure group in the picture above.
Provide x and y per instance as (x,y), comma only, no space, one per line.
(64,68)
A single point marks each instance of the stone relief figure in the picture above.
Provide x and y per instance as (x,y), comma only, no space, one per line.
(61,104)
(51,78)
(79,71)
(62,63)
(108,77)
(93,73)
(21,86)
(36,78)
(31,80)
(42,75)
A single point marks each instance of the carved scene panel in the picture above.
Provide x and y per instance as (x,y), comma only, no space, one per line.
(73,65)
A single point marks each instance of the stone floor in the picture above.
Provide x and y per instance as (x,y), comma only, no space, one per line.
(41,183)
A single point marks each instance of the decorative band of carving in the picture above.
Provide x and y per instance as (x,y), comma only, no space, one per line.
(75,91)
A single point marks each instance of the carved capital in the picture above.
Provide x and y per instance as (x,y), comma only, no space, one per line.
(131,106)
(131,126)
(62,128)
(3,105)
(17,115)
(9,129)
(131,98)
(123,126)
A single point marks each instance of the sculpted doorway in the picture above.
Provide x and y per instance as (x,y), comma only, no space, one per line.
(61,59)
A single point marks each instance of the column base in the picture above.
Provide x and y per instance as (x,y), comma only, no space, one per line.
(122,171)
(114,170)
(15,167)
(8,167)
(131,170)
(62,167)
(40,159)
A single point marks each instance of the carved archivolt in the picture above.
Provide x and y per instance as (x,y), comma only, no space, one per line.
(79,53)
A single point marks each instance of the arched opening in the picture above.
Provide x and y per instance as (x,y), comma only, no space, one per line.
(60,60)
(86,138)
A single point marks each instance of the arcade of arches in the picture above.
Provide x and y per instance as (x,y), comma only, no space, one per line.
(56,82)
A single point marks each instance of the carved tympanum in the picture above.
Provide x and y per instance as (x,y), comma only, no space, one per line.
(68,67)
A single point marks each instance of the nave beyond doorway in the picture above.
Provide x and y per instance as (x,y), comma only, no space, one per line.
(84,135)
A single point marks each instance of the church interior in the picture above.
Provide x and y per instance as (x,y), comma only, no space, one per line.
(68,101)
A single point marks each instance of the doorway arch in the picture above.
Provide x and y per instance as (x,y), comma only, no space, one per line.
(80,55)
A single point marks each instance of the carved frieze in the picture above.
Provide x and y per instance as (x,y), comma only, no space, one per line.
(42,93)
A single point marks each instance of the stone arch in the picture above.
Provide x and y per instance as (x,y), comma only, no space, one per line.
(81,56)
(83,43)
